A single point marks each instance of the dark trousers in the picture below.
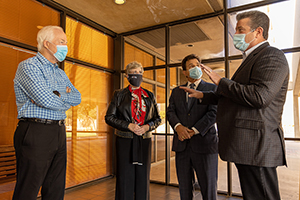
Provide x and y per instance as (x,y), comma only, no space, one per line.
(132,181)
(258,182)
(41,161)
(206,168)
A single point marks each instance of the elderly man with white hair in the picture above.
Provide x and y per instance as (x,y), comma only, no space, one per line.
(43,94)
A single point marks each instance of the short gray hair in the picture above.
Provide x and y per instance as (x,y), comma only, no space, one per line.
(257,19)
(134,65)
(46,33)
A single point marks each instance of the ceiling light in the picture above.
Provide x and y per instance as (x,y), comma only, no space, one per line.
(120,2)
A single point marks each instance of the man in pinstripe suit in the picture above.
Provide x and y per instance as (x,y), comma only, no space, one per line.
(195,137)
(250,106)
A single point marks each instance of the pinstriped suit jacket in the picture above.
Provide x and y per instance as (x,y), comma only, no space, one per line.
(202,117)
(250,107)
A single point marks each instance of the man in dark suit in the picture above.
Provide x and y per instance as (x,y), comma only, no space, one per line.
(195,140)
(250,107)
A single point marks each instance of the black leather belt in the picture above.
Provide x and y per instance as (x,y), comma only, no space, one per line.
(44,121)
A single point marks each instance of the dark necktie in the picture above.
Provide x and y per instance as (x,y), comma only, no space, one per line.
(192,86)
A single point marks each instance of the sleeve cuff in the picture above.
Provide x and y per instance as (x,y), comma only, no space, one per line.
(64,97)
(195,130)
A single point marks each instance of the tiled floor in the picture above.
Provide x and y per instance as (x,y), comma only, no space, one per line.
(105,190)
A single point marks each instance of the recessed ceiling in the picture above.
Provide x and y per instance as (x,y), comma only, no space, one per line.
(205,36)
(137,14)
(182,34)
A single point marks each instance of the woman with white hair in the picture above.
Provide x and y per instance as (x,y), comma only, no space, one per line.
(134,114)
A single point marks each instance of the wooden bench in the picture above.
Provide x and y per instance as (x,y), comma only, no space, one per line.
(7,162)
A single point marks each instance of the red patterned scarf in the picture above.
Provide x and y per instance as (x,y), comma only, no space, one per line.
(138,106)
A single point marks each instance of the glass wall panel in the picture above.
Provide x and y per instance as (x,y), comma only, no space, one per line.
(160,98)
(173,77)
(161,76)
(289,176)
(11,58)
(222,175)
(277,38)
(290,118)
(132,53)
(88,136)
(218,67)
(157,172)
(233,66)
(173,174)
(235,3)
(159,61)
(236,188)
(152,42)
(204,38)
(22,19)
(147,86)
(88,44)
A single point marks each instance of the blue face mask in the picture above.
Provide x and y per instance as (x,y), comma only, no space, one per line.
(240,43)
(195,73)
(61,52)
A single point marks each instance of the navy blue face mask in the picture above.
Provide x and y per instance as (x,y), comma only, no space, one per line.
(135,79)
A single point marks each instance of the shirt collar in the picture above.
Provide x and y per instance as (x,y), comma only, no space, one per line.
(196,83)
(45,61)
(246,53)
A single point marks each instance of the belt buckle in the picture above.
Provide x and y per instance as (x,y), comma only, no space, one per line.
(61,122)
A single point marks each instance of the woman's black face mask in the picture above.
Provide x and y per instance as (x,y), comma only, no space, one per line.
(135,79)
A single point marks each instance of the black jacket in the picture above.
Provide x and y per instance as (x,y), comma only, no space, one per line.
(118,114)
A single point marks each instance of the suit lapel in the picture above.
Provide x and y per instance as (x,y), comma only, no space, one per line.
(249,58)
(200,87)
(182,98)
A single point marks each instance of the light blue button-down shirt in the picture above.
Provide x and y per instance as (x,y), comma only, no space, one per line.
(36,79)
